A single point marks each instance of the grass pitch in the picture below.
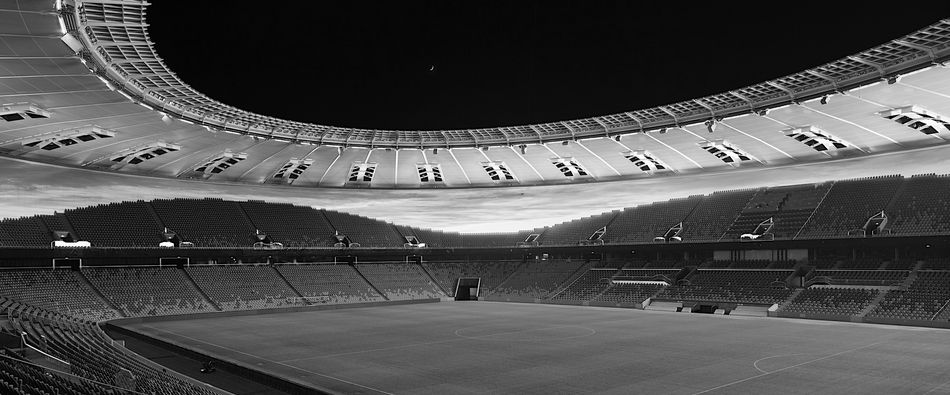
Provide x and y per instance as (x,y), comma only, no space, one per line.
(502,348)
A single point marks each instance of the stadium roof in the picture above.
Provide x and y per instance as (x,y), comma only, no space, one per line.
(83,87)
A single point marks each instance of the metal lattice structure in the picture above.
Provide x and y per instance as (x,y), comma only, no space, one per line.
(66,65)
(116,38)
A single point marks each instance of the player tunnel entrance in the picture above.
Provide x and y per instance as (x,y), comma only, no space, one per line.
(705,308)
(708,307)
(467,288)
(72,263)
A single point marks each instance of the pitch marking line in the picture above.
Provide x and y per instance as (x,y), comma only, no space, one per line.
(934,389)
(786,368)
(371,350)
(756,363)
(273,362)
(591,332)
(459,338)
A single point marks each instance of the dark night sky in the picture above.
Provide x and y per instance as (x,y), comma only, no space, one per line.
(366,63)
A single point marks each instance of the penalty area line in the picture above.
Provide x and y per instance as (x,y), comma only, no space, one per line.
(786,368)
(756,363)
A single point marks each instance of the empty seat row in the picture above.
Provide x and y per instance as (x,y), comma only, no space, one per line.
(915,206)
(832,301)
(93,356)
(588,286)
(849,204)
(60,290)
(491,273)
(538,279)
(149,291)
(245,287)
(925,299)
(400,281)
(329,284)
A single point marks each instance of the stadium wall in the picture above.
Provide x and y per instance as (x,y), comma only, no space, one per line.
(287,385)
(234,313)
(844,318)
(884,247)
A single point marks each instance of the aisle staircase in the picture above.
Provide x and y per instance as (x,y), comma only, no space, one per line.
(576,275)
(433,280)
(201,291)
(103,298)
(873,305)
(289,285)
(381,293)
(791,297)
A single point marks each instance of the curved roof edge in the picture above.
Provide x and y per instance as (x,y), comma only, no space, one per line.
(114,37)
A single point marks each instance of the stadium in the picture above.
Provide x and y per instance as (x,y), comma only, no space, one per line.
(791,235)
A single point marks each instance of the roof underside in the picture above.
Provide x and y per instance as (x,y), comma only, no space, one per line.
(101,98)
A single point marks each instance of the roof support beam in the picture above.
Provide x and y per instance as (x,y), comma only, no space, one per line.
(637,120)
(879,67)
(333,162)
(676,120)
(603,125)
(710,109)
(540,136)
(929,51)
(507,137)
(791,95)
(459,164)
(569,129)
(824,77)
(745,99)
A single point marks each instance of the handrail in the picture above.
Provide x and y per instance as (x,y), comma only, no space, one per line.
(45,354)
(73,376)
(941,309)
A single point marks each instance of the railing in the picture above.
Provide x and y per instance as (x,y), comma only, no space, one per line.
(941,309)
(69,375)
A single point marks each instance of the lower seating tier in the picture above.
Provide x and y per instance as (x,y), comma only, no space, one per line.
(400,281)
(329,284)
(831,301)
